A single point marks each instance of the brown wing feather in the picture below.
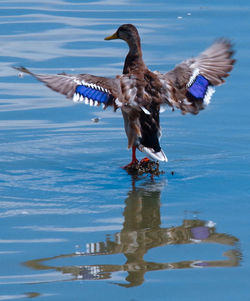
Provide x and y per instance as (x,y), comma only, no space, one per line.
(66,83)
(214,64)
(216,61)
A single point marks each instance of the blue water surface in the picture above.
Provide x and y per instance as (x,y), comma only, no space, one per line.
(74,225)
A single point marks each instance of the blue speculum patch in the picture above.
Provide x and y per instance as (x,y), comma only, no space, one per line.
(199,87)
(92,93)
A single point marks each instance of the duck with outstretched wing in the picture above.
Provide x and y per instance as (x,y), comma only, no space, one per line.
(140,93)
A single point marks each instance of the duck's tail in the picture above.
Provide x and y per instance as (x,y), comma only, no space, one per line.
(156,156)
(150,135)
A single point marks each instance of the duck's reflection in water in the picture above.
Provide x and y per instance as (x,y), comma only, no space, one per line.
(141,232)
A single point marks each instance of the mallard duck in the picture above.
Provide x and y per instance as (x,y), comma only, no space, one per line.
(140,93)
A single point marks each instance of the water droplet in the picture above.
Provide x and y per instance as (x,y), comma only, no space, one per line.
(95,120)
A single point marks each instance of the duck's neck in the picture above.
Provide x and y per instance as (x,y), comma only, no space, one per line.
(134,58)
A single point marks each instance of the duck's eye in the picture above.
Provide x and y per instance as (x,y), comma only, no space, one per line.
(121,30)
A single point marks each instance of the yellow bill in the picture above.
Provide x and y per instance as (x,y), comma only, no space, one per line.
(112,37)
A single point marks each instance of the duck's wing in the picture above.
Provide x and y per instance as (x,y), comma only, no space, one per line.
(90,89)
(189,86)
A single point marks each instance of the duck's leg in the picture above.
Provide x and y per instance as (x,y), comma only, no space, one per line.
(134,155)
(134,159)
(145,160)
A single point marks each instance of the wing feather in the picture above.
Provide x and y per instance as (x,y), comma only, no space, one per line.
(189,84)
(92,89)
